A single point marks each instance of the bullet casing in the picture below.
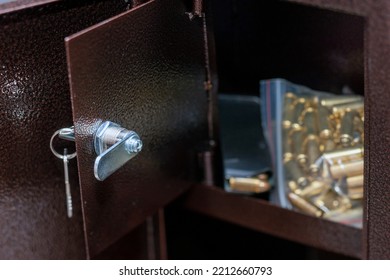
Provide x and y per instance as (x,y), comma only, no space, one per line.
(324,123)
(297,135)
(355,182)
(358,124)
(315,188)
(344,155)
(286,124)
(347,127)
(254,185)
(287,156)
(331,201)
(349,169)
(313,102)
(288,110)
(294,172)
(293,186)
(303,205)
(328,146)
(340,100)
(298,107)
(312,147)
(286,141)
(356,193)
(309,120)
(342,108)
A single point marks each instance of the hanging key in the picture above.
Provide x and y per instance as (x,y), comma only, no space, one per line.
(68,194)
(65,158)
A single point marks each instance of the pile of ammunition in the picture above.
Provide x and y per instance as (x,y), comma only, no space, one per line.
(323,152)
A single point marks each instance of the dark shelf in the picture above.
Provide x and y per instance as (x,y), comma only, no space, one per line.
(262,216)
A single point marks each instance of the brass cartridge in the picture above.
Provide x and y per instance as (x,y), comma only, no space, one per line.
(358,123)
(313,102)
(315,188)
(340,109)
(361,112)
(355,193)
(344,155)
(255,185)
(309,120)
(355,187)
(347,128)
(331,201)
(328,145)
(339,100)
(293,186)
(288,109)
(288,157)
(336,133)
(287,149)
(294,172)
(298,107)
(349,169)
(324,123)
(297,135)
(286,124)
(355,182)
(304,205)
(289,98)
(312,146)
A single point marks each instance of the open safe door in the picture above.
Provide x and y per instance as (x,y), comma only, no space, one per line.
(145,71)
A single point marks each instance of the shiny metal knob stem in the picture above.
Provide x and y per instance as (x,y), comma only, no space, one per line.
(114,146)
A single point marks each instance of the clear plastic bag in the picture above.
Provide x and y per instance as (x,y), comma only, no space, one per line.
(316,141)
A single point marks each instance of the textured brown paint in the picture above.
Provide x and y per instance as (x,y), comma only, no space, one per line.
(262,216)
(351,7)
(377,117)
(133,246)
(376,228)
(22,4)
(34,102)
(162,252)
(144,69)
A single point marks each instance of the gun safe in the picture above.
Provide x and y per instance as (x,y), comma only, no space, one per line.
(135,84)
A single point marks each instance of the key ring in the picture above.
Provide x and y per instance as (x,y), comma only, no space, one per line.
(58,155)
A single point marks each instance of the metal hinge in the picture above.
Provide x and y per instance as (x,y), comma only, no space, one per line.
(197,9)
(206,160)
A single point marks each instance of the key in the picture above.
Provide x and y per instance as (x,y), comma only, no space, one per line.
(66,133)
(69,205)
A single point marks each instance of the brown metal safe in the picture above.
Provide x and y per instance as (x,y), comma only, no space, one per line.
(152,67)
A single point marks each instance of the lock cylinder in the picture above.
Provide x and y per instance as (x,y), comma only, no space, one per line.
(115,146)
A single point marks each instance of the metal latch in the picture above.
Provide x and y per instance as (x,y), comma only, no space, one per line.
(115,146)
